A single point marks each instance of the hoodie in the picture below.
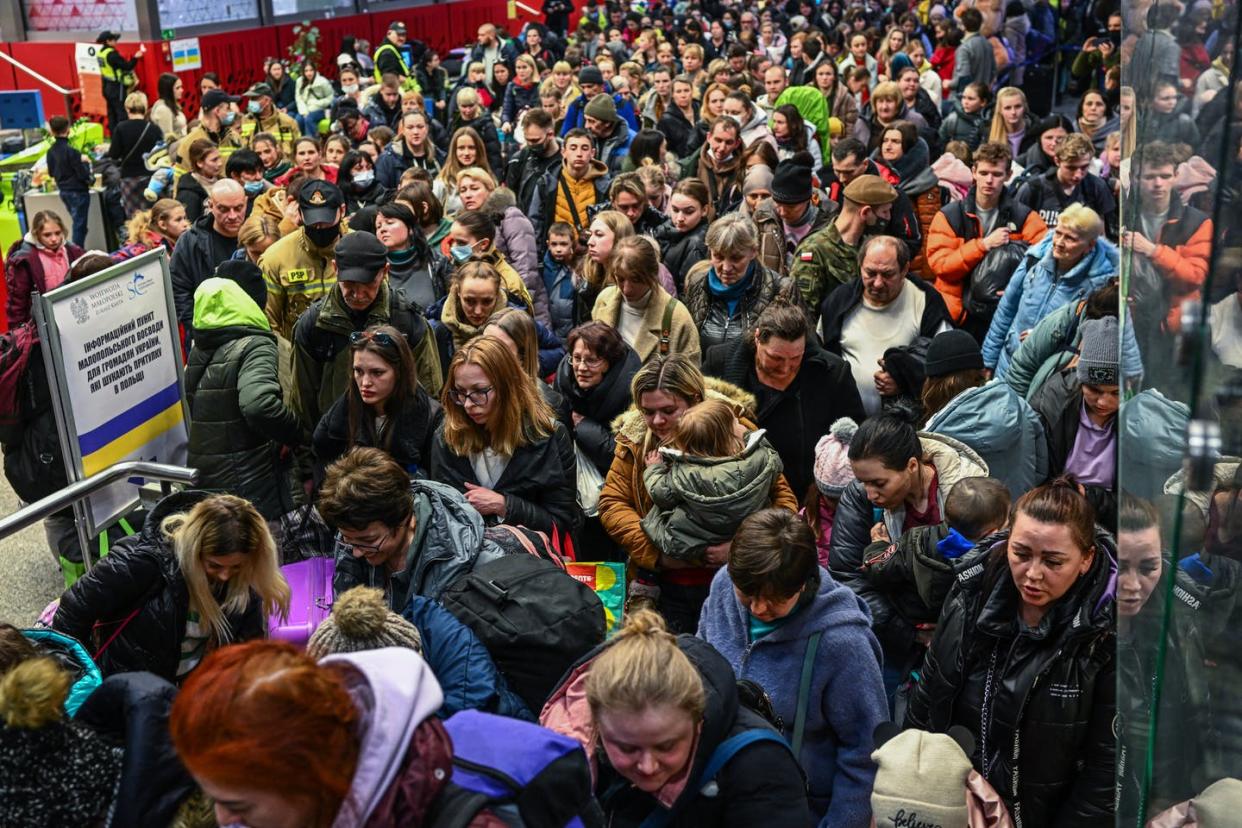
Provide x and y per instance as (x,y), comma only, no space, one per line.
(846,693)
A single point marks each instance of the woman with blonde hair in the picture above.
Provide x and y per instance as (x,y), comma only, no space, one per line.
(1012,121)
(201,574)
(501,445)
(159,226)
(712,105)
(562,82)
(654,709)
(131,139)
(257,234)
(607,229)
(466,150)
(646,315)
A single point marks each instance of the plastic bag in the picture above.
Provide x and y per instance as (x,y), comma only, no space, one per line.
(590,481)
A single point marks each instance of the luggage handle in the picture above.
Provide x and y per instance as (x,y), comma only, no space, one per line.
(497,592)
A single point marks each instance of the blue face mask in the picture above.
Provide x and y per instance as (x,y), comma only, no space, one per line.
(229,117)
(364,178)
(253,187)
(254,108)
(461,253)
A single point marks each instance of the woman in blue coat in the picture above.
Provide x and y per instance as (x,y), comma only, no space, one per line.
(775,614)
(1071,262)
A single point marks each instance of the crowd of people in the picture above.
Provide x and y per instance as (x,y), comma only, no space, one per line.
(806,313)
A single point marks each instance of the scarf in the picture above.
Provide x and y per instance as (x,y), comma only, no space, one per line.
(730,294)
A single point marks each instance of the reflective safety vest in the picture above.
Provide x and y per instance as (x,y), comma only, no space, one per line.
(123,77)
(379,76)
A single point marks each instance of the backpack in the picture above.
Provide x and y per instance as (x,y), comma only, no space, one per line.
(519,540)
(15,380)
(534,619)
(524,774)
(1159,424)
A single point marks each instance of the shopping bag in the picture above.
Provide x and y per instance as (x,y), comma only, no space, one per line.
(607,580)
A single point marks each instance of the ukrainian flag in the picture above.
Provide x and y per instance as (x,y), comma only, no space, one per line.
(128,432)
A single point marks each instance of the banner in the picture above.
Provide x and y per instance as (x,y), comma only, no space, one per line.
(113,356)
(86,56)
(185,54)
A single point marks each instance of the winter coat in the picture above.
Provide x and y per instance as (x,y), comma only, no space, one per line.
(681,251)
(239,421)
(919,184)
(396,159)
(701,501)
(523,174)
(845,298)
(846,691)
(614,149)
(136,247)
(193,262)
(1045,696)
(140,579)
(62,773)
(515,239)
(1037,289)
(761,785)
(599,406)
(448,543)
(315,96)
(558,286)
(772,240)
(680,134)
(797,417)
(23,275)
(1044,195)
(548,192)
(913,572)
(683,336)
(1003,429)
(1183,250)
(73,657)
(851,534)
(624,499)
(411,427)
(460,662)
(540,483)
(518,99)
(960,125)
(973,62)
(717,323)
(1059,402)
(1054,342)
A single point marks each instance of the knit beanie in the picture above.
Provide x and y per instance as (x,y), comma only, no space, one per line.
(361,620)
(603,108)
(791,183)
(950,352)
(247,274)
(920,779)
(1098,354)
(758,177)
(833,471)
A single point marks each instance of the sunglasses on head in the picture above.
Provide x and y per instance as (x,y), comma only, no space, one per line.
(378,337)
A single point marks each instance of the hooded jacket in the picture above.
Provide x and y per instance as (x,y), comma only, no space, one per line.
(681,251)
(599,406)
(238,418)
(141,573)
(851,534)
(396,159)
(1045,696)
(548,205)
(683,335)
(719,324)
(1037,289)
(919,183)
(23,275)
(412,427)
(1003,429)
(515,239)
(761,785)
(448,543)
(960,125)
(614,149)
(700,501)
(540,483)
(558,287)
(846,692)
(193,262)
(1059,403)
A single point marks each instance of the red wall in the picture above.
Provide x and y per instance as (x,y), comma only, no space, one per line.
(238,56)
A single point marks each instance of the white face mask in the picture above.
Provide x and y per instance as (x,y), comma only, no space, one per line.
(349,88)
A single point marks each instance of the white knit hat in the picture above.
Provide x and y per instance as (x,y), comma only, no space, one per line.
(920,780)
(833,471)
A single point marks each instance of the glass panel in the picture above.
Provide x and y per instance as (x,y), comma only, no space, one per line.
(280,8)
(181,14)
(80,15)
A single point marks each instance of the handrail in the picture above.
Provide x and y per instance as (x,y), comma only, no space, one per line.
(40,509)
(6,56)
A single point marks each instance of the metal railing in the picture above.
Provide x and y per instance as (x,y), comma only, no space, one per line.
(82,489)
(68,93)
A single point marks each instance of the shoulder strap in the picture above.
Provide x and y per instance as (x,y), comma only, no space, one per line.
(804,691)
(569,199)
(456,807)
(666,326)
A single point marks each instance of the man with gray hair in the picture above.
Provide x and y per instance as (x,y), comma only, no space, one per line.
(885,308)
(209,241)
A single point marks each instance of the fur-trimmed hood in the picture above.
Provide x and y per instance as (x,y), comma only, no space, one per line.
(632,427)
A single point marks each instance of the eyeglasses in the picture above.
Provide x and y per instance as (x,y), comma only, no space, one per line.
(476,396)
(586,362)
(369,548)
(378,337)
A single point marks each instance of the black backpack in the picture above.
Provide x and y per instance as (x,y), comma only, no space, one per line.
(990,278)
(535,620)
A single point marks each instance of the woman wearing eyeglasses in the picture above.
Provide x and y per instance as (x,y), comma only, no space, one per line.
(595,378)
(501,445)
(384,407)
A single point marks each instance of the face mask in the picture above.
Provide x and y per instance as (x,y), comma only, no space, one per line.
(229,117)
(364,179)
(349,88)
(253,187)
(461,253)
(253,108)
(1115,37)
(322,236)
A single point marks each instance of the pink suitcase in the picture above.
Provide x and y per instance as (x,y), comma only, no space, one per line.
(310,582)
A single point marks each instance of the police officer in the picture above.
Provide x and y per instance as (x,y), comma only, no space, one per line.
(263,116)
(118,75)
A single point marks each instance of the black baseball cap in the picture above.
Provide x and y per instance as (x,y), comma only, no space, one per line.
(214,97)
(360,257)
(397,26)
(260,89)
(319,202)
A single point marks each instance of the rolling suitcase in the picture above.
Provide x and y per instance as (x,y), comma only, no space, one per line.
(310,582)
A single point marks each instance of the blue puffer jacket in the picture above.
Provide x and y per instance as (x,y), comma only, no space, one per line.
(73,656)
(558,280)
(1003,429)
(1036,290)
(461,663)
(847,696)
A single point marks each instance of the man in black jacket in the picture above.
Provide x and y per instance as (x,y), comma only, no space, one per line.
(1070,183)
(800,390)
(72,174)
(209,241)
(541,154)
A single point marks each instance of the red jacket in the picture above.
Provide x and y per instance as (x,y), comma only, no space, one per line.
(1182,254)
(23,274)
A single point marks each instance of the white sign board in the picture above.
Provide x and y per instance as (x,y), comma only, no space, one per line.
(185,54)
(111,342)
(86,56)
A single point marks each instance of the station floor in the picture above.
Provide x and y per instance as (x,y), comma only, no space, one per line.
(29,576)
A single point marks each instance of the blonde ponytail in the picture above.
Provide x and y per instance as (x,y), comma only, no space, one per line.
(642,668)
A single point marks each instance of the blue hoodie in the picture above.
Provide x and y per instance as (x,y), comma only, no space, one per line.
(1036,290)
(847,690)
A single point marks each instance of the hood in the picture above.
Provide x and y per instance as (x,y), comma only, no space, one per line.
(220,303)
(172,504)
(633,427)
(914,169)
(992,420)
(394,691)
(953,460)
(598,169)
(723,482)
(1100,261)
(449,529)
(759,119)
(500,201)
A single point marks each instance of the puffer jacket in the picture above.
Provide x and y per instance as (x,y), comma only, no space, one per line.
(315,96)
(239,420)
(1003,429)
(73,657)
(411,429)
(851,534)
(700,501)
(846,691)
(515,239)
(716,322)
(448,543)
(681,251)
(540,483)
(141,576)
(960,125)
(761,785)
(192,263)
(1058,403)
(1037,289)
(599,406)
(23,275)
(1045,697)
(558,286)
(1054,342)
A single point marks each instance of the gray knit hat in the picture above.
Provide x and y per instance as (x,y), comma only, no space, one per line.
(361,620)
(1098,362)
(920,780)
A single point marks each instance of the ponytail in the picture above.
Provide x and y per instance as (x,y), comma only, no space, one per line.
(643,667)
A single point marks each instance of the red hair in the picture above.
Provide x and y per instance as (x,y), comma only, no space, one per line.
(264,715)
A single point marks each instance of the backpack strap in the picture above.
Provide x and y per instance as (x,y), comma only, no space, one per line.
(666,326)
(455,807)
(804,691)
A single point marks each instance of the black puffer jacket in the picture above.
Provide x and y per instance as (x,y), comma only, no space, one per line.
(141,573)
(1040,702)
(540,484)
(412,427)
(681,251)
(599,406)
(717,326)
